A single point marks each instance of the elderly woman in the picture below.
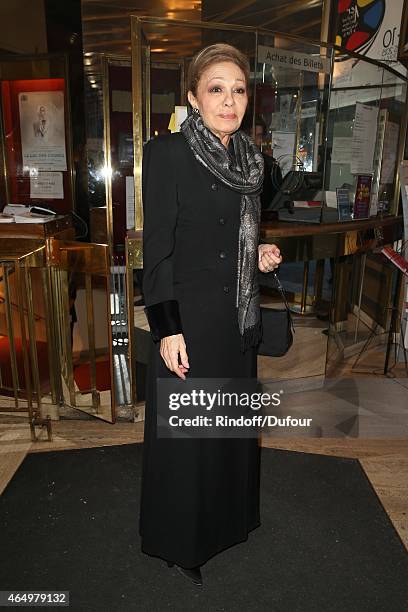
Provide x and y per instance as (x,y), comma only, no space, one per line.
(201,259)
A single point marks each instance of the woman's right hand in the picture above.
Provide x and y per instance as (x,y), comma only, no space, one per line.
(170,348)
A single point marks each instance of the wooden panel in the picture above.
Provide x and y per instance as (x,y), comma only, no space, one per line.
(376,296)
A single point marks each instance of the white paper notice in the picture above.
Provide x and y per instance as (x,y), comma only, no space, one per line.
(283,145)
(130,202)
(331,199)
(341,150)
(42,128)
(364,137)
(47,185)
(389,155)
(180,113)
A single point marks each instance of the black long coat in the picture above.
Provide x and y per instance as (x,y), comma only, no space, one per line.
(199,496)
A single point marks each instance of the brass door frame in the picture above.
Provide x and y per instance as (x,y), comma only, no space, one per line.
(108,60)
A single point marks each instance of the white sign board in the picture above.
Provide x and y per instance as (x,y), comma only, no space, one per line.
(293,59)
(47,185)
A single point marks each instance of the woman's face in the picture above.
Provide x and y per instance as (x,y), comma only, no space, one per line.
(221,98)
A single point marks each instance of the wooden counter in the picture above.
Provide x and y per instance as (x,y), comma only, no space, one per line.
(309,241)
(288,229)
(41,231)
(19,238)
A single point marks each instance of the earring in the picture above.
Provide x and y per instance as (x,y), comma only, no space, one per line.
(196,111)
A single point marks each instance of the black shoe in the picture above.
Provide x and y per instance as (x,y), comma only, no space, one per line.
(194,574)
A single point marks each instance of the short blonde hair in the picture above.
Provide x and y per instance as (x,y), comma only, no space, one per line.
(219,52)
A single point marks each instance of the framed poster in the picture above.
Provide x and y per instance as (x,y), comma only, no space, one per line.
(42,128)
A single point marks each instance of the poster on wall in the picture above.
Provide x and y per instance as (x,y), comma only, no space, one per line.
(369,27)
(42,127)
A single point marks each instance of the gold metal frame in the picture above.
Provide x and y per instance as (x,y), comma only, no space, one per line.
(108,60)
(137,84)
(94,260)
(133,259)
(107,152)
(21,264)
(130,251)
(53,262)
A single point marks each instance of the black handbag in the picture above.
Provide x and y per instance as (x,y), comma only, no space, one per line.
(277,328)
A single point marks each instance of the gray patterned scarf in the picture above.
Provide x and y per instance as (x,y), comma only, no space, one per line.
(243,174)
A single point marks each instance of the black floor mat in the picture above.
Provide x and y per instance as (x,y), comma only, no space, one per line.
(69,521)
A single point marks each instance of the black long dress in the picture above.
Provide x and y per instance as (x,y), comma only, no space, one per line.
(199,496)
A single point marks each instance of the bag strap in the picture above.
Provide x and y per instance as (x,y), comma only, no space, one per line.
(285,301)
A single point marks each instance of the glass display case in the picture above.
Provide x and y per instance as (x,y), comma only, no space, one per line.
(307,97)
(327,119)
(367,110)
(36,132)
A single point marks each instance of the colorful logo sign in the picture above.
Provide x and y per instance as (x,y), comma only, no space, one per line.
(359,22)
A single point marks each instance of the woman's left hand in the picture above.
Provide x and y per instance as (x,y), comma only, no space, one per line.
(269,257)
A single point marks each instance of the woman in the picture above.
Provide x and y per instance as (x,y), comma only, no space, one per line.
(201,226)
